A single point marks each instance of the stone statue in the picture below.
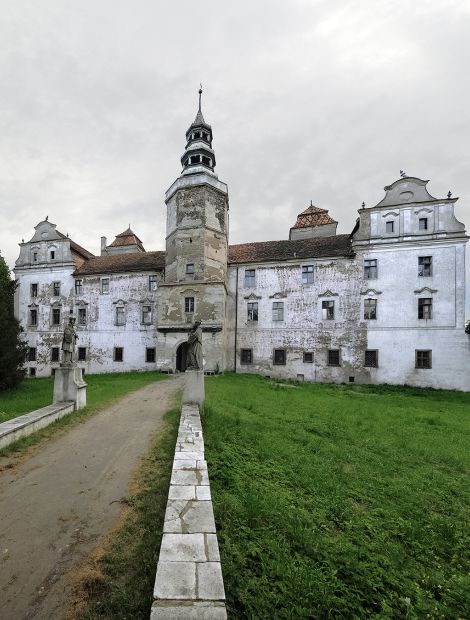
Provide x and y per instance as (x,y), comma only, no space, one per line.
(194,356)
(68,343)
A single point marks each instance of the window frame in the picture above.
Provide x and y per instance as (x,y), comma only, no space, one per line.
(33,312)
(372,310)
(56,289)
(189,305)
(34,288)
(424,266)
(389,224)
(278,311)
(146,312)
(276,362)
(330,356)
(420,362)
(376,355)
(250,278)
(308,361)
(244,354)
(120,313)
(328,307)
(104,286)
(371,272)
(425,308)
(79,286)
(81,315)
(307,272)
(56,316)
(154,351)
(252,311)
(190,269)
(152,282)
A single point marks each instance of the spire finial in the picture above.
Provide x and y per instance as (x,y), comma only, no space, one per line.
(311,203)
(200,93)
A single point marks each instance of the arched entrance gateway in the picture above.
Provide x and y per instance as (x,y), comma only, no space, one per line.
(181,353)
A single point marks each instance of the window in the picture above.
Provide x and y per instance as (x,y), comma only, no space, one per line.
(205,136)
(35,257)
(389,226)
(118,354)
(55,316)
(246,356)
(423,223)
(423,359)
(370,308)
(371,358)
(104,286)
(278,310)
(333,357)
(250,278)
(307,274)
(152,283)
(34,290)
(424,266)
(54,354)
(370,269)
(279,357)
(147,315)
(52,254)
(82,354)
(328,310)
(32,354)
(189,304)
(189,268)
(194,159)
(32,372)
(308,357)
(206,160)
(425,308)
(56,289)
(150,355)
(252,309)
(78,287)
(197,134)
(33,317)
(120,315)
(82,316)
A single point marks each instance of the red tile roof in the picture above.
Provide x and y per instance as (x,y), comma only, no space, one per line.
(313,216)
(119,263)
(267,251)
(128,237)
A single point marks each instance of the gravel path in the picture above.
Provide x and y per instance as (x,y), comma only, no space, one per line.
(55,506)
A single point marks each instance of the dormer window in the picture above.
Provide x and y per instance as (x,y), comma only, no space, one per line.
(423,223)
(389,226)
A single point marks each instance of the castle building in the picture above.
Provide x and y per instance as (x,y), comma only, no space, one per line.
(384,304)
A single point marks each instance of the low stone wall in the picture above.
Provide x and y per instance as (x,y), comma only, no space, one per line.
(189,581)
(24,425)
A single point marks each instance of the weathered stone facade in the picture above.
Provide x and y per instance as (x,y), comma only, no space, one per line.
(384,304)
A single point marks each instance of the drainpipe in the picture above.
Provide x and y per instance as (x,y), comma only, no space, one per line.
(236,324)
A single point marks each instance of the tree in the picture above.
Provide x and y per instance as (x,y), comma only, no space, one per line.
(12,347)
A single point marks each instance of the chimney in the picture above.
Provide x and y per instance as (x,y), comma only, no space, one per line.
(103,245)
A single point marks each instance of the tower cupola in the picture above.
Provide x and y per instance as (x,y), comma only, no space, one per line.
(198,155)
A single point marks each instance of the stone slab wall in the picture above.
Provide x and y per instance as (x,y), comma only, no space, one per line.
(189,581)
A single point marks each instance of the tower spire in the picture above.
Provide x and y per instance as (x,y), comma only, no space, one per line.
(198,155)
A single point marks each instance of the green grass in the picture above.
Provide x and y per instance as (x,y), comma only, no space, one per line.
(340,501)
(102,390)
(119,585)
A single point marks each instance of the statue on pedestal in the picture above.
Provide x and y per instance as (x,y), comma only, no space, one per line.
(194,356)
(68,343)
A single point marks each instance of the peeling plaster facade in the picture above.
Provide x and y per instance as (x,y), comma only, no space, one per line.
(382,305)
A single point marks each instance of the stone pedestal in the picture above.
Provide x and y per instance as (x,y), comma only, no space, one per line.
(193,392)
(69,386)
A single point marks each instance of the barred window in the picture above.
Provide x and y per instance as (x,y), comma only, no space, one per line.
(278,310)
(308,357)
(246,356)
(81,354)
(252,311)
(333,357)
(371,358)
(370,269)
(328,310)
(279,357)
(250,278)
(425,308)
(370,308)
(307,274)
(424,266)
(423,359)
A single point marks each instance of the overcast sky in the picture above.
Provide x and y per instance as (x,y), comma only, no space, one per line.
(322,100)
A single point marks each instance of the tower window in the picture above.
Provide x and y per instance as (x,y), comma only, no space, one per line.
(206,160)
(205,136)
(423,223)
(389,226)
(195,159)
(197,134)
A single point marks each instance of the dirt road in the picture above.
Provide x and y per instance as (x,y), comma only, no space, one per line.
(55,505)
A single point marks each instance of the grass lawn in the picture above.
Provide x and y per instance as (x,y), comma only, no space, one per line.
(340,501)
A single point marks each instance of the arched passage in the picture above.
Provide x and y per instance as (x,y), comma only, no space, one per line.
(181,353)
